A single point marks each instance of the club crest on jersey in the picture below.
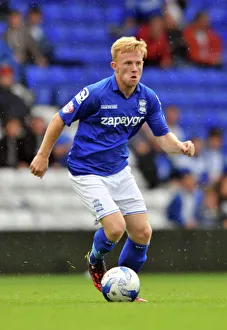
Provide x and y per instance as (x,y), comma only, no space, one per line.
(142,106)
(82,95)
(68,108)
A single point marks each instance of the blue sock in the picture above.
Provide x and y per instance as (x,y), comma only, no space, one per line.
(101,246)
(133,255)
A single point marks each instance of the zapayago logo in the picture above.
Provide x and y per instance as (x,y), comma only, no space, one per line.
(126,121)
(82,95)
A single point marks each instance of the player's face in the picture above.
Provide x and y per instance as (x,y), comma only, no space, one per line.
(128,68)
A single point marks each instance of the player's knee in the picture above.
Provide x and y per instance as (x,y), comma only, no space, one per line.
(143,235)
(148,233)
(116,231)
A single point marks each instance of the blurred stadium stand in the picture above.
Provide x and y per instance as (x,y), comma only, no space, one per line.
(28,203)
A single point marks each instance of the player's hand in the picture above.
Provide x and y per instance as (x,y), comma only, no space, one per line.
(188,148)
(39,165)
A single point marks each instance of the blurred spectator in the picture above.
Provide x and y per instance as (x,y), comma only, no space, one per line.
(127,28)
(174,9)
(183,208)
(222,199)
(158,48)
(36,129)
(34,24)
(177,44)
(208,209)
(24,48)
(197,164)
(7,58)
(172,115)
(11,145)
(214,156)
(35,134)
(204,45)
(61,150)
(11,105)
(153,162)
(164,165)
(142,146)
(8,82)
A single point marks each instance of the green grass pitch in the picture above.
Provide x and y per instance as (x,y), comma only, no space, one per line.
(190,301)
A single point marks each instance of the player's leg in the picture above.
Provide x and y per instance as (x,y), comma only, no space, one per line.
(131,203)
(134,252)
(105,238)
(95,195)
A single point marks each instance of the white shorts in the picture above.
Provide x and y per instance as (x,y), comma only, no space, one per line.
(109,194)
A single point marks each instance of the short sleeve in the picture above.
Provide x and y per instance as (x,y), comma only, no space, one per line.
(84,104)
(155,117)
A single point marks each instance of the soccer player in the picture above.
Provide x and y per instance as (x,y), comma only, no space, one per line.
(110,112)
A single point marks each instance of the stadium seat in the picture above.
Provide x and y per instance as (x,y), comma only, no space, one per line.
(52,13)
(3,25)
(114,14)
(71,54)
(58,34)
(93,75)
(76,74)
(43,95)
(36,76)
(93,14)
(218,15)
(99,55)
(99,34)
(64,93)
(50,76)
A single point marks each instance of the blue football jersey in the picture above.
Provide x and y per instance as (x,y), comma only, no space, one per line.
(107,120)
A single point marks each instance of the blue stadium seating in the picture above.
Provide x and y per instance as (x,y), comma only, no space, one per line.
(52,13)
(58,34)
(71,54)
(66,92)
(54,75)
(114,14)
(218,15)
(43,95)
(2,27)
(78,30)
(36,76)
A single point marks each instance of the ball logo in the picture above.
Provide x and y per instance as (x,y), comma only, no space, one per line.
(68,108)
(82,95)
(142,106)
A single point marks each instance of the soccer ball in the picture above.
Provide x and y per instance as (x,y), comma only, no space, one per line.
(120,284)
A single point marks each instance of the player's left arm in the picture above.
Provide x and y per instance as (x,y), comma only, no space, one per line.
(166,139)
(170,144)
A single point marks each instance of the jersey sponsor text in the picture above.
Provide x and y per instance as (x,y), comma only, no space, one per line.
(126,121)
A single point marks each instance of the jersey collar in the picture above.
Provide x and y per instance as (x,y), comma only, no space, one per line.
(116,88)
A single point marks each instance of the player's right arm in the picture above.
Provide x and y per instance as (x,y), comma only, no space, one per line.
(80,107)
(39,164)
